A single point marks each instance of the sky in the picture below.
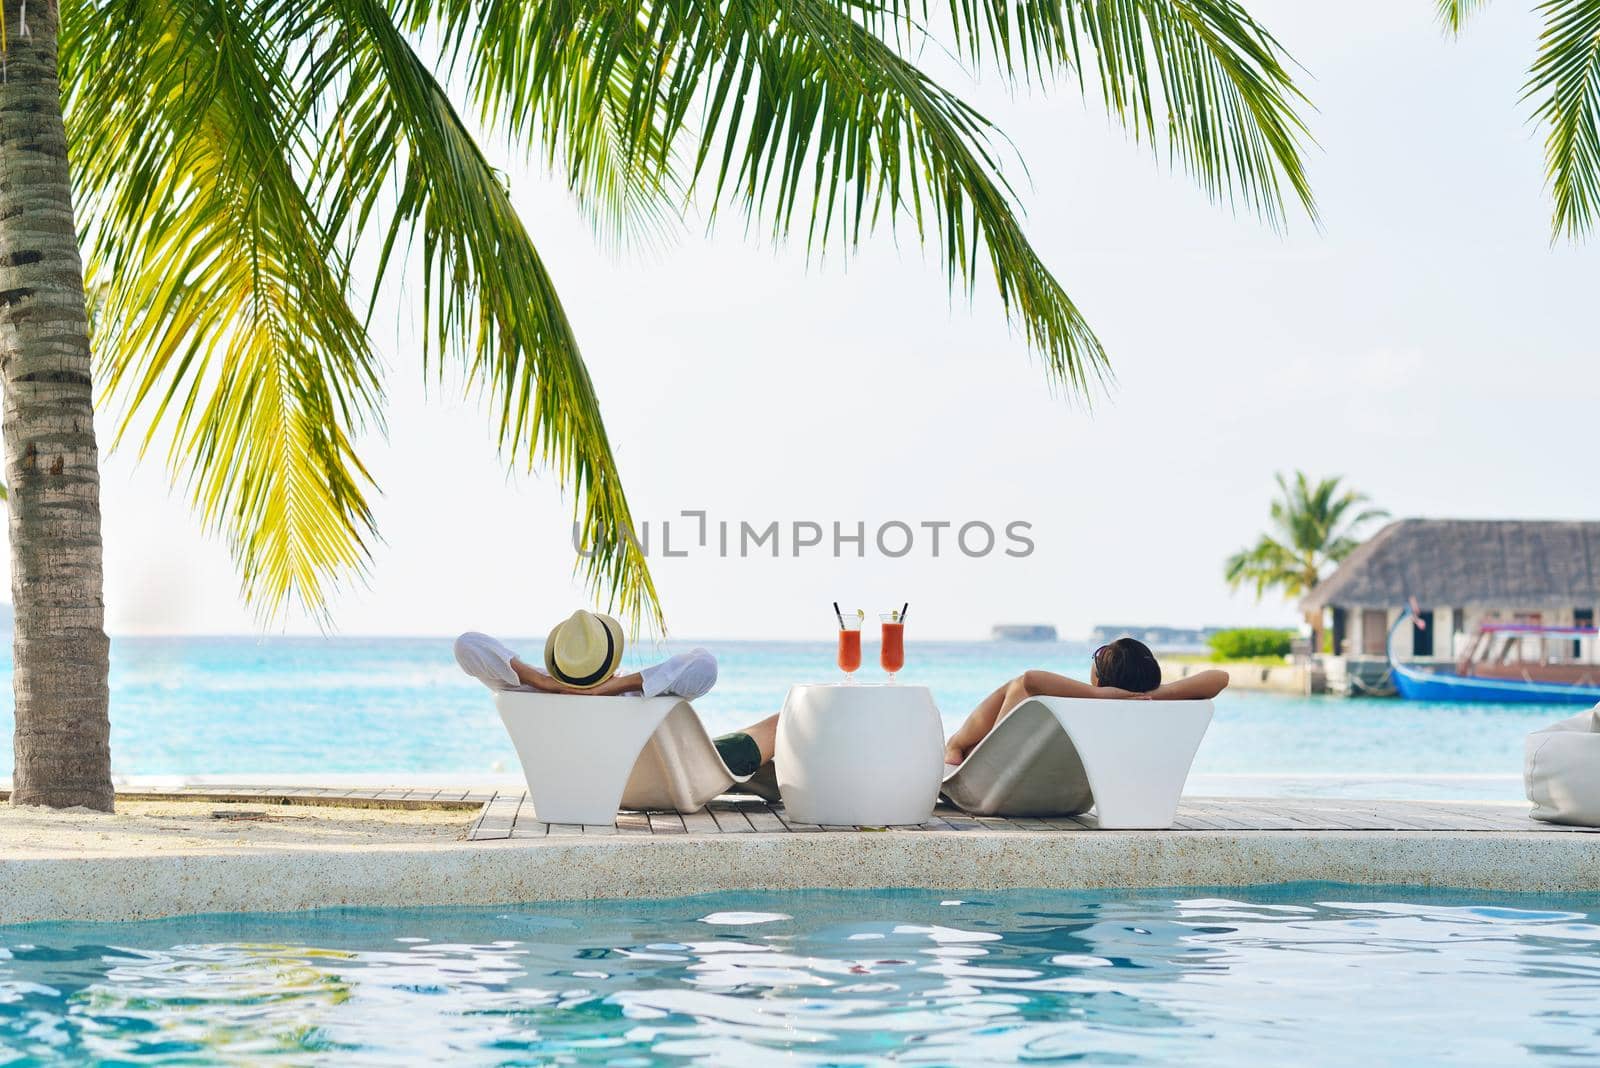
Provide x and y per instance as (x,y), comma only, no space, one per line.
(1428,343)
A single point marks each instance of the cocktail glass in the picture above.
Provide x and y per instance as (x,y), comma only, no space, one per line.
(850,648)
(892,653)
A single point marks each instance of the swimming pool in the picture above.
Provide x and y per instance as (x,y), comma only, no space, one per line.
(1295,974)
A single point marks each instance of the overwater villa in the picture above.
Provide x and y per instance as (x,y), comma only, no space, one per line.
(1461,574)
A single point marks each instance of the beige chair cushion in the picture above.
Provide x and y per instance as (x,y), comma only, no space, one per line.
(1057,756)
(1561,770)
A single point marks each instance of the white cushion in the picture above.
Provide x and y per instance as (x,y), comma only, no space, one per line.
(1561,769)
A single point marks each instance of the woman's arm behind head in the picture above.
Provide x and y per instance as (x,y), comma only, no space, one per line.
(1201,686)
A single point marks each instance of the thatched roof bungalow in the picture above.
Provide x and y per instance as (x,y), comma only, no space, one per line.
(1461,572)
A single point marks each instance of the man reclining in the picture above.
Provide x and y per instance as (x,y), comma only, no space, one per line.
(581,657)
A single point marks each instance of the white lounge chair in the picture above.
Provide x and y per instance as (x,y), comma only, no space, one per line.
(1058,756)
(586,757)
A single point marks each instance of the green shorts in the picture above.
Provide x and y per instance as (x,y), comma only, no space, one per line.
(740,752)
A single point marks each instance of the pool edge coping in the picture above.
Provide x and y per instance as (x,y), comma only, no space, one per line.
(151,886)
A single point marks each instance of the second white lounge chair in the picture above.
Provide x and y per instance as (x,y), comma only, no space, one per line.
(587,757)
(1059,756)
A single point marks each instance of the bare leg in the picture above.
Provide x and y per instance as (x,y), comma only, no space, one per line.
(1016,692)
(765,735)
(991,710)
(978,724)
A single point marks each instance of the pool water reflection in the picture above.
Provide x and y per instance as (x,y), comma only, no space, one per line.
(1298,974)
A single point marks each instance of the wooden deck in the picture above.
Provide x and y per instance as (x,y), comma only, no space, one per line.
(501,815)
(509,816)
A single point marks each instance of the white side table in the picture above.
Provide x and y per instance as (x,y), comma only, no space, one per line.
(860,755)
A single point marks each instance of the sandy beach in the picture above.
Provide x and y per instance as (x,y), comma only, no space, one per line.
(155,827)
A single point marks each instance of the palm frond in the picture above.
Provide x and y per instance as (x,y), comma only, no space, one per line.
(578,110)
(490,304)
(225,318)
(631,205)
(222,312)
(1223,95)
(1564,83)
(1201,74)
(1341,547)
(1453,14)
(846,125)
(793,112)
(1266,565)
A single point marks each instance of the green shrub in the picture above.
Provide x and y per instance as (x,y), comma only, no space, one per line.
(1242,643)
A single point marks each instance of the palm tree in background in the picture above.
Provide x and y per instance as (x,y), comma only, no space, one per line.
(1314,527)
(252,174)
(1564,88)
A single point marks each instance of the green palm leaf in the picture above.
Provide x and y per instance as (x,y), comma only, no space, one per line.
(789,110)
(1455,13)
(1201,74)
(1564,83)
(803,113)
(844,125)
(1564,87)
(213,269)
(226,313)
(491,303)
(238,159)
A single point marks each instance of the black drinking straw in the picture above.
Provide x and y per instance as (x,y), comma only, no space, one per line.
(903,611)
(839,614)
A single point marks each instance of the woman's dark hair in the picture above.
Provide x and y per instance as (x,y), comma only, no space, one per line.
(1127,664)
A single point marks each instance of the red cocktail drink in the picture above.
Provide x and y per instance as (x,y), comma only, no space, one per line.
(849,649)
(892,654)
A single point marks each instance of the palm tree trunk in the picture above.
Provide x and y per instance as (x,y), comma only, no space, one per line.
(63,750)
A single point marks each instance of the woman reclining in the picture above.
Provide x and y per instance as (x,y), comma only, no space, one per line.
(1125,669)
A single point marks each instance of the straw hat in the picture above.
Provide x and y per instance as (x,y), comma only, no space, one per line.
(584,650)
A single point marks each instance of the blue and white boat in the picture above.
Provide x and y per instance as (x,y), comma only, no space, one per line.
(1508,663)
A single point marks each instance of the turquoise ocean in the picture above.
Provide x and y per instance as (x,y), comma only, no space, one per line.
(400,707)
